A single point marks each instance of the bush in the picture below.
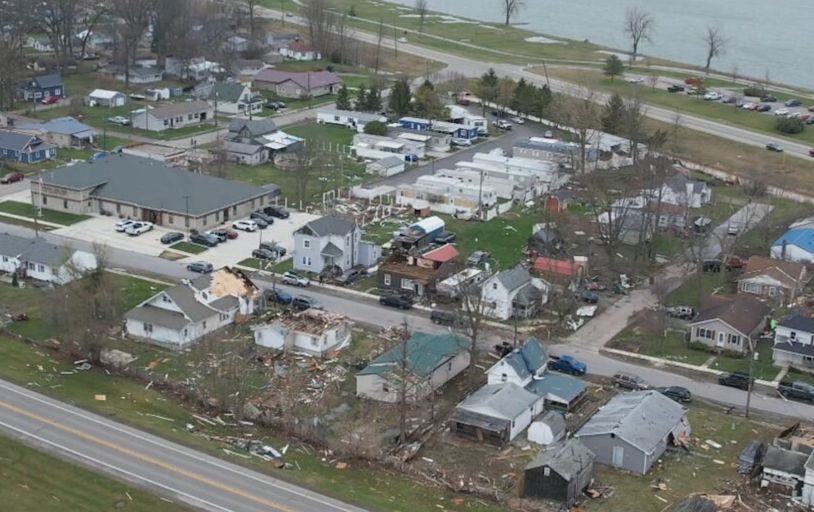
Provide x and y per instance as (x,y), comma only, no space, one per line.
(754,91)
(375,128)
(789,125)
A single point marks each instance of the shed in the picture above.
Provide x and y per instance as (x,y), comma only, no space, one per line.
(105,98)
(559,391)
(560,473)
(386,166)
(548,429)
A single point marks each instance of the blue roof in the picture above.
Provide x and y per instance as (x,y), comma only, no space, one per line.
(46,81)
(800,237)
(558,386)
(67,126)
(424,353)
(528,359)
(18,141)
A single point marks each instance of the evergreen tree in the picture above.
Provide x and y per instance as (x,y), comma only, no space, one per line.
(541,100)
(343,98)
(374,100)
(399,102)
(613,67)
(523,99)
(427,104)
(487,88)
(361,98)
(613,117)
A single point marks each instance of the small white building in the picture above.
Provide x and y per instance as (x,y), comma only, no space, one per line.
(514,292)
(173,116)
(438,142)
(348,118)
(389,166)
(507,408)
(520,366)
(378,146)
(105,98)
(313,332)
(446,195)
(39,259)
(548,429)
(298,50)
(461,115)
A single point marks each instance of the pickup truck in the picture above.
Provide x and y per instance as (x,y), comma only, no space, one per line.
(567,364)
(797,390)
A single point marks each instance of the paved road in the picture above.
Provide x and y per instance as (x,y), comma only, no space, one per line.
(170,469)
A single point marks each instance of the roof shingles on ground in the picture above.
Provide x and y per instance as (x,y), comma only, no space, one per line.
(152,185)
(742,312)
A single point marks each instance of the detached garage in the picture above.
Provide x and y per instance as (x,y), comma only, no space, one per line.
(105,98)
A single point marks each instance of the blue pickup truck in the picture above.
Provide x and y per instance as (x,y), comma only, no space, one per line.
(567,364)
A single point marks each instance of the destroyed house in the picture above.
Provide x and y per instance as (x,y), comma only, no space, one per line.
(313,332)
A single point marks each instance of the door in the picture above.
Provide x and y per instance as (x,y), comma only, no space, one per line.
(618,456)
(226,215)
(720,339)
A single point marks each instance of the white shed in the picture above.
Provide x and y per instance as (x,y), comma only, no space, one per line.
(386,166)
(549,429)
(105,98)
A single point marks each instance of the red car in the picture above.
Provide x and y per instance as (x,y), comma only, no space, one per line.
(12,178)
(811,152)
(50,100)
(693,80)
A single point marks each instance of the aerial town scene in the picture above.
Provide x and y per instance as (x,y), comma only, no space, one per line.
(406,256)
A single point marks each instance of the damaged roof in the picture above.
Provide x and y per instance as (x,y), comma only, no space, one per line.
(505,401)
(424,353)
(568,459)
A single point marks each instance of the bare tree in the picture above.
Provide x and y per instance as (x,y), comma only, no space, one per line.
(474,312)
(171,28)
(715,43)
(221,378)
(510,8)
(11,52)
(422,9)
(633,127)
(251,4)
(639,27)
(583,114)
(612,209)
(134,16)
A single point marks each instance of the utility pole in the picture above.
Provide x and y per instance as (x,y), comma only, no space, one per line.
(395,42)
(752,355)
(186,220)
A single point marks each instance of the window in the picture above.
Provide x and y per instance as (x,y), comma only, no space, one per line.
(65,204)
(31,266)
(385,387)
(387,279)
(118,208)
(44,200)
(204,220)
(166,122)
(57,91)
(234,210)
(186,332)
(772,291)
(135,211)
(148,328)
(204,324)
(41,267)
(164,298)
(504,377)
(314,342)
(494,286)
(546,471)
(217,216)
(306,244)
(186,221)
(793,335)
(406,284)
(169,219)
(5,259)
(735,339)
(190,117)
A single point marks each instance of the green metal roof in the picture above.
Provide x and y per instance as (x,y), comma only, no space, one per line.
(424,353)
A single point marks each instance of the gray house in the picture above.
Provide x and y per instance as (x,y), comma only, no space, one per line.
(560,473)
(633,430)
(729,323)
(173,115)
(329,242)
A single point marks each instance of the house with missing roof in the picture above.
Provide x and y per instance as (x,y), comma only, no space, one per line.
(786,470)
(560,473)
(313,332)
(794,342)
(774,280)
(729,323)
(679,190)
(293,84)
(234,98)
(418,273)
(23,147)
(633,430)
(140,188)
(514,292)
(423,363)
(331,243)
(39,259)
(180,315)
(496,413)
(171,116)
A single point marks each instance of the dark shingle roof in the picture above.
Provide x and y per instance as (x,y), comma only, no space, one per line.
(14,140)
(787,461)
(46,81)
(158,316)
(742,312)
(152,185)
(798,322)
(329,225)
(227,91)
(36,250)
(303,79)
(183,297)
(568,459)
(256,127)
(514,278)
(795,348)
(331,250)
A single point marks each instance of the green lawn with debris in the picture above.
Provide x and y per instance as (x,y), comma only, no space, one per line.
(188,247)
(33,480)
(53,216)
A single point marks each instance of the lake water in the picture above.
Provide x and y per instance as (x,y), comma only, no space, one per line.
(763,37)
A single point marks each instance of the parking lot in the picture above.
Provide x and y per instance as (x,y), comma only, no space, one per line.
(101,230)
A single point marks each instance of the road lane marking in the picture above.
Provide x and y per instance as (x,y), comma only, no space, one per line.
(96,461)
(187,452)
(146,458)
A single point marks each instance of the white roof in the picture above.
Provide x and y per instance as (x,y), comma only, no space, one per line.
(429,224)
(104,94)
(280,140)
(389,144)
(414,137)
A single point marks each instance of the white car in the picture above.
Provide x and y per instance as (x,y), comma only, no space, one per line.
(634,79)
(295,279)
(748,105)
(119,120)
(461,142)
(781,112)
(139,228)
(517,120)
(123,225)
(712,96)
(245,225)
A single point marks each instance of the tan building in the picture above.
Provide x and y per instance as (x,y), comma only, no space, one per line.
(776,280)
(729,323)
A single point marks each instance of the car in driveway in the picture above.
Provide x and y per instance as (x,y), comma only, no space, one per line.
(792,102)
(774,146)
(263,254)
(396,301)
(12,177)
(457,141)
(50,100)
(502,125)
(201,267)
(677,393)
(118,120)
(738,380)
(223,232)
(274,247)
(350,276)
(245,225)
(260,216)
(122,225)
(171,237)
(675,88)
(277,211)
(629,381)
(204,239)
(295,279)
(477,258)
(567,364)
(279,296)
(139,228)
(303,302)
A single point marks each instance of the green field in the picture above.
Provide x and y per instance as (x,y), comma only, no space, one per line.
(33,480)
(53,216)
(188,247)
(322,133)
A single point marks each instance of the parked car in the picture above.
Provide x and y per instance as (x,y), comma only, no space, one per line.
(567,364)
(295,279)
(675,88)
(268,219)
(441,317)
(277,211)
(350,276)
(693,80)
(260,223)
(245,225)
(502,125)
(457,141)
(274,247)
(792,103)
(264,254)
(715,265)
(676,393)
(749,106)
(411,158)
(589,296)
(811,152)
(763,107)
(774,146)
(122,225)
(477,258)
(204,239)
(119,120)
(738,380)
(682,312)
(12,177)
(733,229)
(729,99)
(768,98)
(230,234)
(517,120)
(279,296)
(749,459)
(396,301)
(201,267)
(172,237)
(139,228)
(712,96)
(634,79)
(798,390)
(220,235)
(630,381)
(445,237)
(50,100)
(303,302)
(782,112)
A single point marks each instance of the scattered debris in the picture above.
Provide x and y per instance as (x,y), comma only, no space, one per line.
(100,398)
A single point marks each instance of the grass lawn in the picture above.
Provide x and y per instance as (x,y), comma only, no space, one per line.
(171,255)
(258,264)
(671,347)
(129,402)
(33,479)
(763,368)
(504,236)
(188,247)
(684,474)
(688,294)
(27,210)
(5,219)
(323,133)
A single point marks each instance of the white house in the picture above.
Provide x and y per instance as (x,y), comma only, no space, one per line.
(514,292)
(313,332)
(519,186)
(327,242)
(679,190)
(446,195)
(386,166)
(172,116)
(298,50)
(497,412)
(794,342)
(460,115)
(439,142)
(379,146)
(179,315)
(519,366)
(105,98)
(234,98)
(348,118)
(39,259)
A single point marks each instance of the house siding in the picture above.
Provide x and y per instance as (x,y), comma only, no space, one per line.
(373,386)
(633,459)
(310,259)
(721,336)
